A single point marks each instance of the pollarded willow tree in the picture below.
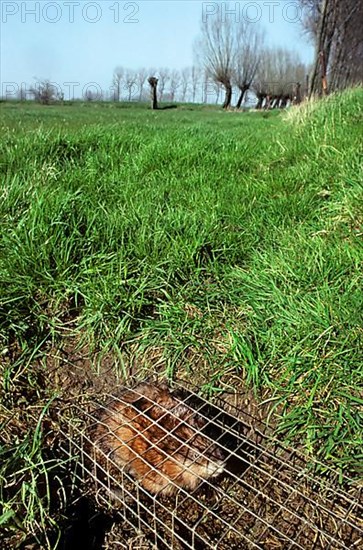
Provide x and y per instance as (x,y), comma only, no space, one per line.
(278,78)
(249,48)
(216,50)
(153,81)
(230,50)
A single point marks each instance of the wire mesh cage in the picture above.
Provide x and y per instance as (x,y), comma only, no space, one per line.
(181,472)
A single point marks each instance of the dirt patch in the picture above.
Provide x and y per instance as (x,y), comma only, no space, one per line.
(268,497)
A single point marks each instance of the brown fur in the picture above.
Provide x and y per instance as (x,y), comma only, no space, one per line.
(155,437)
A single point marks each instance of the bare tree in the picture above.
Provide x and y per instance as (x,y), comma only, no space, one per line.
(216,50)
(92,96)
(22,93)
(289,72)
(185,82)
(175,81)
(45,92)
(206,82)
(164,76)
(264,77)
(209,88)
(278,78)
(130,83)
(249,45)
(118,76)
(195,81)
(141,76)
(311,17)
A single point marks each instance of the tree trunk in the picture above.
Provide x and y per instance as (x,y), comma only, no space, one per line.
(154,98)
(296,96)
(260,98)
(228,98)
(243,91)
(306,91)
(324,82)
(324,37)
(275,102)
(268,102)
(285,98)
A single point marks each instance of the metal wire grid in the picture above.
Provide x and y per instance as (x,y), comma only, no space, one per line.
(267,498)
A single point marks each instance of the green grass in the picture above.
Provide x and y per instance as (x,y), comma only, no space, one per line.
(232,243)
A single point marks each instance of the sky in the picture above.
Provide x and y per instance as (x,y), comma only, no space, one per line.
(79,43)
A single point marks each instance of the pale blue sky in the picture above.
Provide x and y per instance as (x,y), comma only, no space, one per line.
(84,42)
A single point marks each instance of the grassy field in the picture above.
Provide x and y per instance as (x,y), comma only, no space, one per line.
(231,243)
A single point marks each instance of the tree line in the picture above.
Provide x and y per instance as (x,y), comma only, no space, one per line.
(234,55)
(182,85)
(231,56)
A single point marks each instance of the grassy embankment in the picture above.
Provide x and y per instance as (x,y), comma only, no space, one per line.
(231,243)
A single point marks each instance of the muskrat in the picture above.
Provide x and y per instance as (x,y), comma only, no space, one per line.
(152,434)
